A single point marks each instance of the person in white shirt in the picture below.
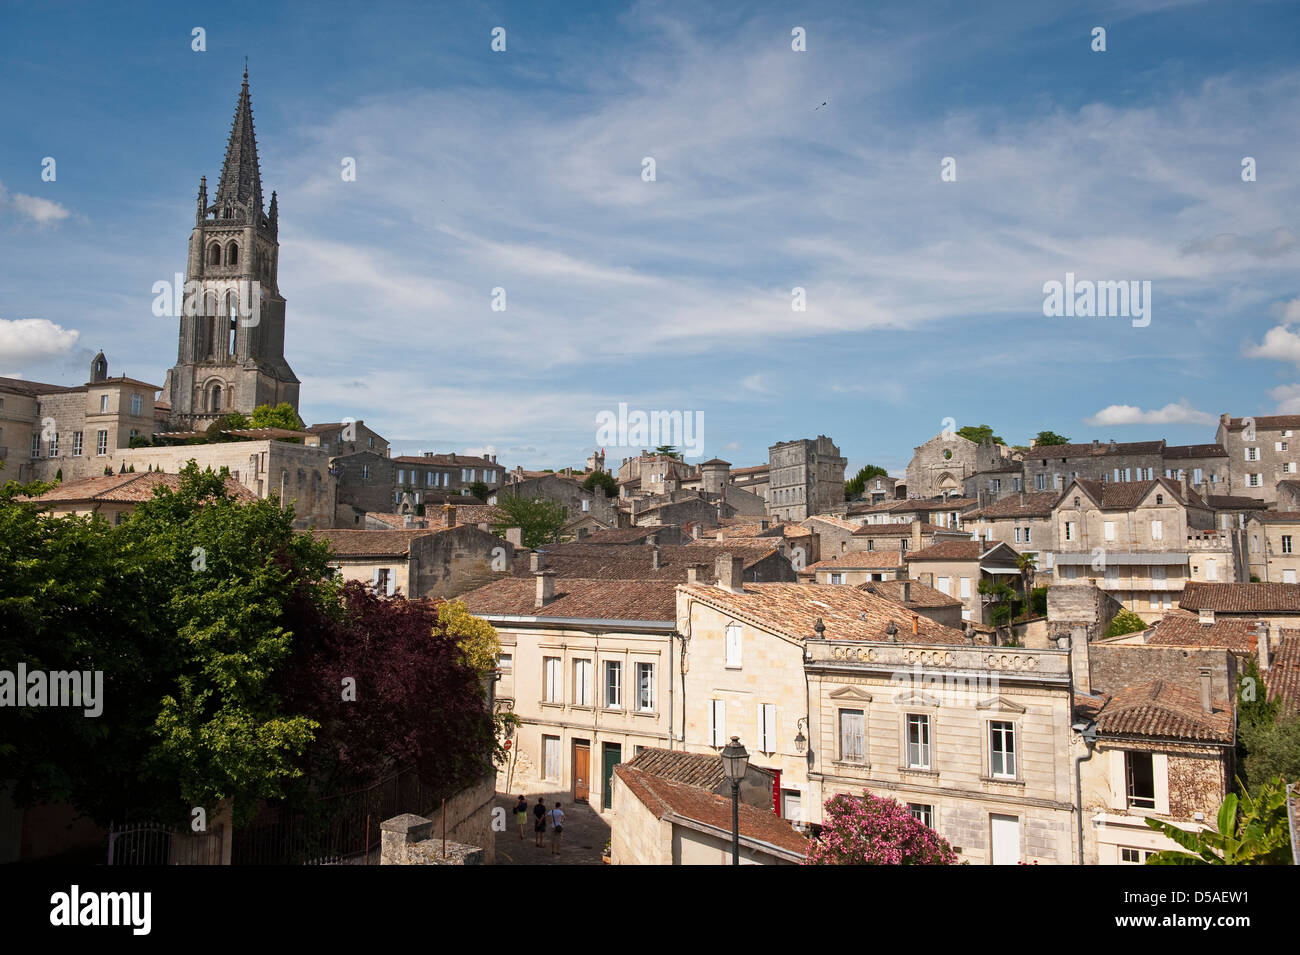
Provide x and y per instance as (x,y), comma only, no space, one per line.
(557,828)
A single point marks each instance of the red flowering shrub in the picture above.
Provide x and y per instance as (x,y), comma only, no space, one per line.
(876,831)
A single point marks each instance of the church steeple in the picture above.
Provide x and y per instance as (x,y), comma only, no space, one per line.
(239,191)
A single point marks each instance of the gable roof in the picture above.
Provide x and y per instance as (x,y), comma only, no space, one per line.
(920,595)
(1180,629)
(1283,676)
(1241,598)
(1266,422)
(848,613)
(1277,517)
(1035,504)
(1097,450)
(125,489)
(638,600)
(1161,710)
(1179,451)
(895,530)
(352,542)
(1126,495)
(959,550)
(670,800)
(635,561)
(861,560)
(674,765)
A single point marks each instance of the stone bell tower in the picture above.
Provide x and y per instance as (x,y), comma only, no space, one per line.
(231,351)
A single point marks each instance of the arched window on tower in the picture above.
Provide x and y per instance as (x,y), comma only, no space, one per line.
(214,254)
(232,254)
(216,398)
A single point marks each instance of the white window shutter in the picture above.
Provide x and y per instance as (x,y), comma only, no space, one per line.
(762,730)
(392,582)
(1160,770)
(375,581)
(1118,781)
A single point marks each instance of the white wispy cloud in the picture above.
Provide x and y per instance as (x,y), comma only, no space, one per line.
(34,209)
(1180,412)
(32,340)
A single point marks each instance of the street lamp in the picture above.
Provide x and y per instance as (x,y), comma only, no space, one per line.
(735,760)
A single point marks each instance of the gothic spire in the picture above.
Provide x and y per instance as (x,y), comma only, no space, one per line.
(240,185)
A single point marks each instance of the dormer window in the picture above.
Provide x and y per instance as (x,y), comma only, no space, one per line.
(1076,502)
(1160,498)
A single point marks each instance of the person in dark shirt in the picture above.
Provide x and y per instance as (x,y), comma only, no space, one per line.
(521,815)
(539,821)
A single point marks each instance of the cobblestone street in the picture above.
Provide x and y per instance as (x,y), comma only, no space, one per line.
(583,841)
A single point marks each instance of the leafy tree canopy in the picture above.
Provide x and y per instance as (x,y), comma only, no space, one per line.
(1047,438)
(603,480)
(540,520)
(1126,621)
(281,416)
(979,434)
(1247,831)
(855,485)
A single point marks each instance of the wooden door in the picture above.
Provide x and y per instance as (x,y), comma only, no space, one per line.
(581,770)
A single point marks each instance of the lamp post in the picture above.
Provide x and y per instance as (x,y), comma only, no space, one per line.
(735,760)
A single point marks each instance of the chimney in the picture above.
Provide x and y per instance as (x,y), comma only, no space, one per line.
(515,536)
(654,557)
(696,528)
(1261,645)
(1206,616)
(1023,496)
(916,536)
(1183,483)
(1080,664)
(916,624)
(729,571)
(545,588)
(907,591)
(695,573)
(536,561)
(1206,704)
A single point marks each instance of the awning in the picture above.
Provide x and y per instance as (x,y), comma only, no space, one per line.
(1114,557)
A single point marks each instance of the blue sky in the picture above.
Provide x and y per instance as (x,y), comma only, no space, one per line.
(522,170)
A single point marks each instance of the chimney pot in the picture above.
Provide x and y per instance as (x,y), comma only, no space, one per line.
(695,573)
(545,588)
(654,557)
(1261,645)
(449,515)
(1206,616)
(536,561)
(907,591)
(1206,704)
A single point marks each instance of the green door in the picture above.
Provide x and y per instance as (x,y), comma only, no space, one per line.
(613,755)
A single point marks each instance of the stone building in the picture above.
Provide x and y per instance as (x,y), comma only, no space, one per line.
(588,668)
(1260,453)
(430,473)
(1140,540)
(434,562)
(231,343)
(1273,546)
(940,467)
(347,437)
(1022,520)
(115,496)
(957,568)
(582,508)
(365,482)
(46,429)
(806,477)
(1053,467)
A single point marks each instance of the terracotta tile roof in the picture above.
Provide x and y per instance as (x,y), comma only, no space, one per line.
(444,460)
(1278,517)
(1283,676)
(1232,502)
(1160,710)
(748,529)
(693,769)
(1241,598)
(1126,495)
(755,469)
(833,521)
(861,560)
(1100,449)
(1266,422)
(714,461)
(625,535)
(634,561)
(265,434)
(472,513)
(361,543)
(955,550)
(848,613)
(1176,629)
(1036,504)
(666,799)
(894,530)
(914,505)
(575,597)
(921,595)
(125,489)
(34,388)
(1177,451)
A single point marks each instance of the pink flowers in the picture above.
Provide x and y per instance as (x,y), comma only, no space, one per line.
(876,831)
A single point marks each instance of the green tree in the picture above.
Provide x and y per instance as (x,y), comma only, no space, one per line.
(281,416)
(1002,598)
(1271,750)
(475,636)
(979,434)
(479,490)
(855,485)
(1047,438)
(1027,564)
(668,450)
(1126,621)
(540,520)
(1248,831)
(603,480)
(233,421)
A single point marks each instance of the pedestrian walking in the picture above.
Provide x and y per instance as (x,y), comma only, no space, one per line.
(539,821)
(557,828)
(521,815)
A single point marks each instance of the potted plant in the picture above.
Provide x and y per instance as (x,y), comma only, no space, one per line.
(605,853)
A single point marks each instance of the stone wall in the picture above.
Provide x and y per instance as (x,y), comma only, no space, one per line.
(365,484)
(1114,666)
(1198,782)
(458,560)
